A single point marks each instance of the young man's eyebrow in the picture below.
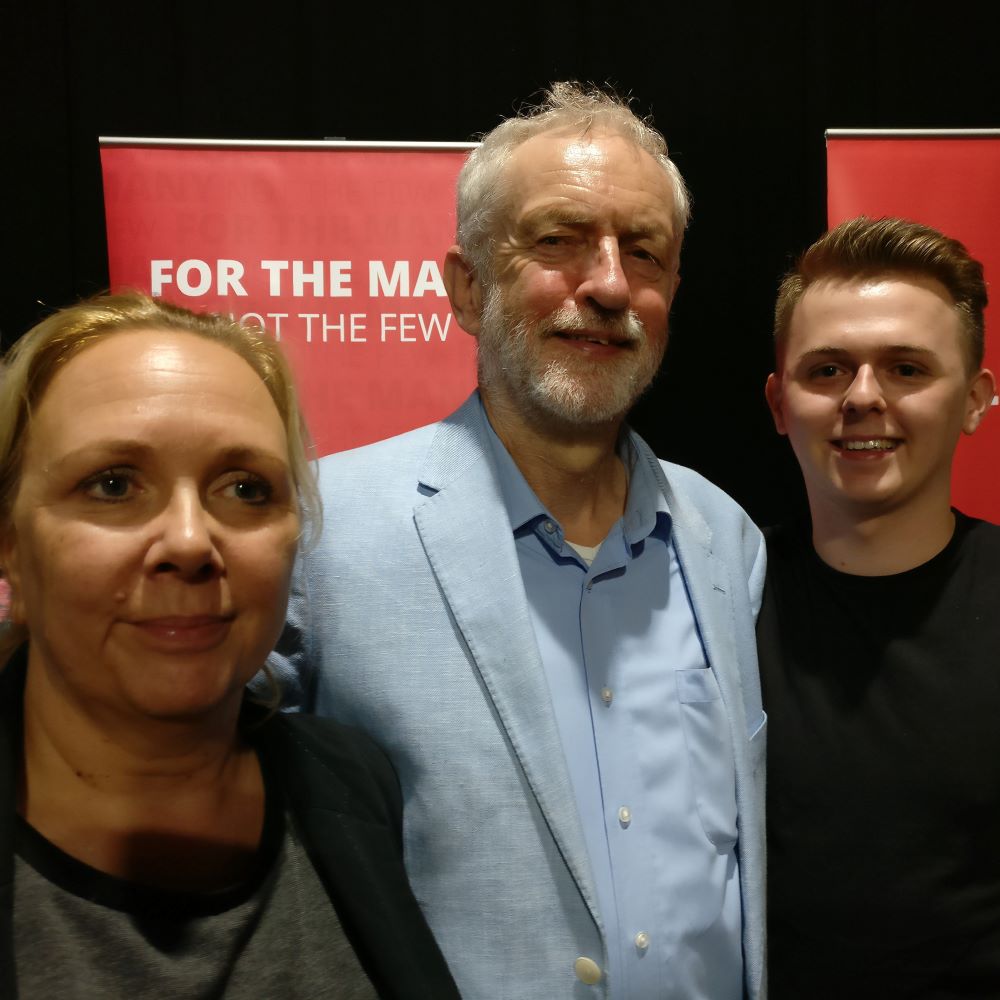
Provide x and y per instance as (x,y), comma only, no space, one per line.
(843,352)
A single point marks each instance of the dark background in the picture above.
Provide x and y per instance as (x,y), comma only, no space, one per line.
(743,92)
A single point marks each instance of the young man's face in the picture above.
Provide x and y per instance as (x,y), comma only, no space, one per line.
(874,391)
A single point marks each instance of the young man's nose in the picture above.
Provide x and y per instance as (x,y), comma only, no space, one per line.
(865,391)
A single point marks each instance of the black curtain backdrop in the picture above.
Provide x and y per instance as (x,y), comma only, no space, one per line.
(743,92)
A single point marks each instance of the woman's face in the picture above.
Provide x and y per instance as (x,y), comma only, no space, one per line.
(154,528)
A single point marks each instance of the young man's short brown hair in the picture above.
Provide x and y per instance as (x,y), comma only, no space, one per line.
(869,248)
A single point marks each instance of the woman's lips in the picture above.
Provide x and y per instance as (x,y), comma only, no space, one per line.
(184,633)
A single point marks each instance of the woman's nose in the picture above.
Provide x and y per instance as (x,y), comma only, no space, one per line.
(185,543)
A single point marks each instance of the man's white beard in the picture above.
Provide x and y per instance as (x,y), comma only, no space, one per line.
(573,389)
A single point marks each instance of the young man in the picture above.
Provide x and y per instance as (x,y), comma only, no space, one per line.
(880,633)
(549,631)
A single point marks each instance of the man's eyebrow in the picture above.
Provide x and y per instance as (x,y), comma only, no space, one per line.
(564,215)
(647,232)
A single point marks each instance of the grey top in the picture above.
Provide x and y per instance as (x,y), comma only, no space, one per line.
(79,932)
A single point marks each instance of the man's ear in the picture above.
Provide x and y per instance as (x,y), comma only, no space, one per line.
(772,392)
(464,290)
(676,285)
(982,389)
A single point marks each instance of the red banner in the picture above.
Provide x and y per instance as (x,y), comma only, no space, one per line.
(336,248)
(948,180)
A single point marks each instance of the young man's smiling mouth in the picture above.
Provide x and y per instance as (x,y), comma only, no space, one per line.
(868,444)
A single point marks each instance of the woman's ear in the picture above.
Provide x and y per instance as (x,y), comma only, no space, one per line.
(10,579)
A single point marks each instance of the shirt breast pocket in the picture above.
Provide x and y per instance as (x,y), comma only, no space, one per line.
(710,753)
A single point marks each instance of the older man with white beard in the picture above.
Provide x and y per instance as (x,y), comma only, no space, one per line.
(549,631)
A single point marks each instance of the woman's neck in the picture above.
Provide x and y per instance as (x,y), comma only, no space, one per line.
(164,803)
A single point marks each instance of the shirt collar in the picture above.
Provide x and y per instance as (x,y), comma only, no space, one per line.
(645,508)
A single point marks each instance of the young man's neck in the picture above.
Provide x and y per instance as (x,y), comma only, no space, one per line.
(881,543)
(574,471)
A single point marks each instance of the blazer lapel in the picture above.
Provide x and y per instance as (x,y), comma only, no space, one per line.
(710,588)
(712,599)
(466,533)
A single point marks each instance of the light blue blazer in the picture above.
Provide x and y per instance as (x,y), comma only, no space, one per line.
(409,619)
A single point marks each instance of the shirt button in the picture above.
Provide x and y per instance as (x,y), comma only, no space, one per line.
(549,527)
(624,816)
(607,695)
(641,941)
(587,970)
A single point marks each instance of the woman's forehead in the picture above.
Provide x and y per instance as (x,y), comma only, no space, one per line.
(162,379)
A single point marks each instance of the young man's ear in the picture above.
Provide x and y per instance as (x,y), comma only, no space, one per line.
(772,392)
(982,390)
(464,290)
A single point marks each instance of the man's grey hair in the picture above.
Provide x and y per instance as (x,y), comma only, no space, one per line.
(565,108)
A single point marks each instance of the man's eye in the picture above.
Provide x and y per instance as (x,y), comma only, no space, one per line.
(826,371)
(907,370)
(111,485)
(552,241)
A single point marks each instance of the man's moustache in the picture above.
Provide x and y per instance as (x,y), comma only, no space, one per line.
(628,327)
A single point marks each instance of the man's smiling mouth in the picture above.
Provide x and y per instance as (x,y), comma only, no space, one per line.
(587,338)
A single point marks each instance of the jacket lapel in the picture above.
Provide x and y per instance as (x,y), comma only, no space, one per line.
(711,591)
(466,533)
(713,602)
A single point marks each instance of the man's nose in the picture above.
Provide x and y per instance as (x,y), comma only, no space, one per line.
(865,392)
(185,541)
(604,282)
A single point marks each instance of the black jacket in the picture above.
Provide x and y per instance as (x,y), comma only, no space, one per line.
(345,797)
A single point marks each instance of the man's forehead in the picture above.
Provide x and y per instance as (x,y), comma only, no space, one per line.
(565,171)
(575,146)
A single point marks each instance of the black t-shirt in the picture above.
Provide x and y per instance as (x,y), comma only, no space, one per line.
(883,698)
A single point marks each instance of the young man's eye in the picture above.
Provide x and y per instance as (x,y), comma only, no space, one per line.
(907,370)
(826,371)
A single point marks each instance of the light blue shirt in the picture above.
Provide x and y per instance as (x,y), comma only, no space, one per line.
(646,742)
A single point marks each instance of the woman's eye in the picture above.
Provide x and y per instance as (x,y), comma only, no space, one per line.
(250,490)
(111,485)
